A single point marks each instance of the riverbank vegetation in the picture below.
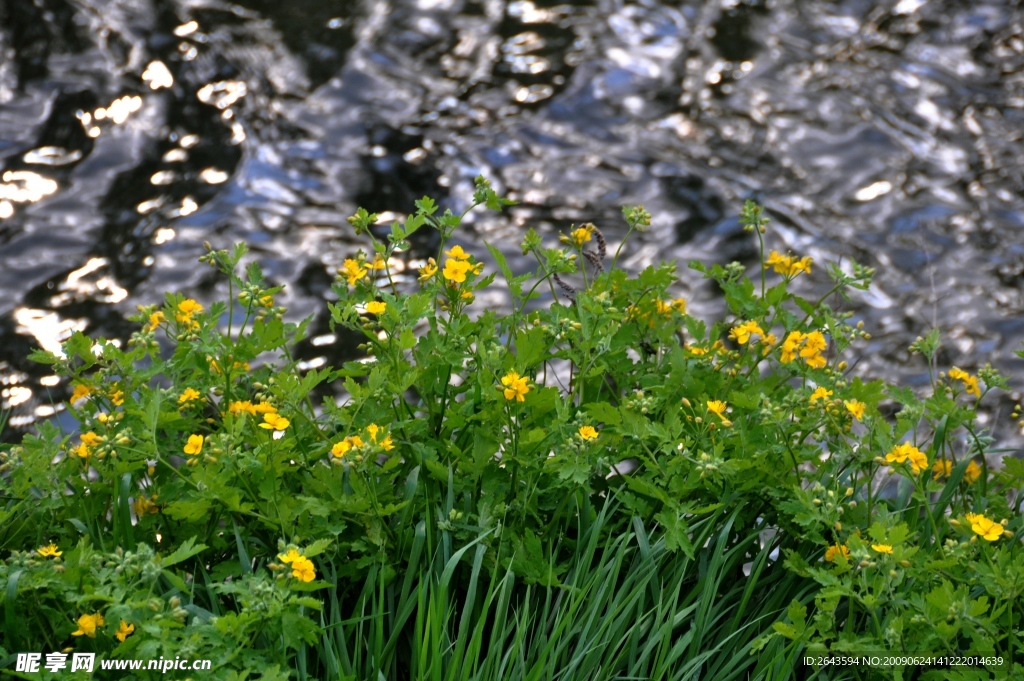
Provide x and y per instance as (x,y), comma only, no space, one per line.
(602,488)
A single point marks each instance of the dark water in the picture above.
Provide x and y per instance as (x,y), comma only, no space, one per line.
(133,130)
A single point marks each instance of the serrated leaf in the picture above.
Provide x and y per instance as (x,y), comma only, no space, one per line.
(186,550)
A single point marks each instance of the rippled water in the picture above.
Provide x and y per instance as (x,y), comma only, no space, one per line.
(133,130)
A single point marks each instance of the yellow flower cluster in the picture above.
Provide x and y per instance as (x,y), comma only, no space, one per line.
(741,333)
(943,468)
(89,441)
(970,382)
(145,505)
(908,452)
(355,442)
(187,309)
(457,266)
(668,306)
(788,265)
(988,529)
(246,407)
(353,271)
(516,386)
(808,345)
(302,567)
(835,551)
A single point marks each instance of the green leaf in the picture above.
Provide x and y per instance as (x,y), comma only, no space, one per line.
(317,547)
(187,549)
(603,412)
(188,510)
(514,285)
(426,205)
(676,532)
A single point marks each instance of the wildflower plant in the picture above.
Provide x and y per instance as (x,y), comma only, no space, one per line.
(220,500)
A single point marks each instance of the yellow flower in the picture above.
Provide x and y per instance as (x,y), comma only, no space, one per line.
(588,433)
(942,469)
(972,473)
(882,548)
(386,444)
(717,407)
(856,408)
(274,421)
(457,253)
(82,451)
(267,301)
(696,350)
(124,630)
(87,625)
(376,307)
(188,395)
(352,271)
(455,270)
(679,304)
(117,396)
(342,448)
(242,406)
(428,270)
(144,505)
(835,551)
(91,439)
(820,394)
(194,445)
(741,334)
(373,429)
(79,392)
(303,570)
(155,320)
(987,529)
(378,263)
(905,451)
(788,265)
(516,387)
(582,234)
(189,307)
(290,557)
(918,461)
(790,346)
(970,382)
(48,551)
(265,408)
(814,343)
